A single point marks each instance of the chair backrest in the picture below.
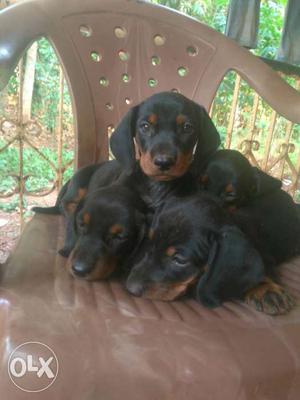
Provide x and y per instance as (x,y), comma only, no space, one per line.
(115,53)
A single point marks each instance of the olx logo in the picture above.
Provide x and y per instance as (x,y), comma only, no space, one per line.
(33,366)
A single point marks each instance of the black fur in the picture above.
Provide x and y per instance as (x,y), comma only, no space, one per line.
(84,181)
(165,136)
(195,240)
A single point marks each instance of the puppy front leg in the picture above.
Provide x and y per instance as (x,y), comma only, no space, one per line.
(70,236)
(270,297)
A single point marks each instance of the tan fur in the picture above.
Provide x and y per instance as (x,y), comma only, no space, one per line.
(180,168)
(180,119)
(152,119)
(229,188)
(86,218)
(116,228)
(170,251)
(169,292)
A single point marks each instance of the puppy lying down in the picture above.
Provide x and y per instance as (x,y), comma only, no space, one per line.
(195,245)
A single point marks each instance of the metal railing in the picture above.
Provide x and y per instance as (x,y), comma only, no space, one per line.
(273,147)
(21,139)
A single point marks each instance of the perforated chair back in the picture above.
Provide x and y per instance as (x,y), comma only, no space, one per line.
(115,53)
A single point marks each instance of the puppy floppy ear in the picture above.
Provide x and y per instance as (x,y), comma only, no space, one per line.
(234,266)
(121,141)
(264,183)
(208,139)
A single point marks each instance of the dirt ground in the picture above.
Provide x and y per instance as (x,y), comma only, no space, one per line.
(10,224)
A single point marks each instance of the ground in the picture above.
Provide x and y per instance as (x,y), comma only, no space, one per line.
(10,224)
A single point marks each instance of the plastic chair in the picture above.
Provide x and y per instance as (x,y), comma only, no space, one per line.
(108,344)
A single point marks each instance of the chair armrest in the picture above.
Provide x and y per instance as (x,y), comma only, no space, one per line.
(20,26)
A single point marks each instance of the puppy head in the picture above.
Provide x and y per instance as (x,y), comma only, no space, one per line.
(165,269)
(191,245)
(175,252)
(170,131)
(109,227)
(231,177)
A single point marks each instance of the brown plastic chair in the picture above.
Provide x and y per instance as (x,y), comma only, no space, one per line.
(109,344)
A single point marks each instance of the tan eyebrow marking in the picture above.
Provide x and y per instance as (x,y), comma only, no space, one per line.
(229,188)
(86,218)
(180,119)
(170,251)
(116,228)
(152,119)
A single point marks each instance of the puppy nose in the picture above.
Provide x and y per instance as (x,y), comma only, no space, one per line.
(135,288)
(79,269)
(164,161)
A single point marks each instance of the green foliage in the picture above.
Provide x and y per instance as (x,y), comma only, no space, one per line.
(46,87)
(11,205)
(13,85)
(45,95)
(41,176)
(270,27)
(212,12)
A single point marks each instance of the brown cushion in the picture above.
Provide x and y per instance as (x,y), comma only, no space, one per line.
(111,345)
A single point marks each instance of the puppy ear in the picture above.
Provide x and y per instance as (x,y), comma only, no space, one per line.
(234,266)
(264,183)
(121,141)
(208,139)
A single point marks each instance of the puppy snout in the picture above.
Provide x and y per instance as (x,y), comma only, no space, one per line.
(164,161)
(80,269)
(135,288)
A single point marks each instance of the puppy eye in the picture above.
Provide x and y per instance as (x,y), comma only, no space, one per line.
(145,127)
(188,127)
(179,260)
(118,236)
(230,196)
(81,226)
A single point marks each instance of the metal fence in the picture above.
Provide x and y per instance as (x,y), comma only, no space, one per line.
(269,141)
(19,136)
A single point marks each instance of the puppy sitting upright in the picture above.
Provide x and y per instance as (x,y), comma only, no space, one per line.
(173,136)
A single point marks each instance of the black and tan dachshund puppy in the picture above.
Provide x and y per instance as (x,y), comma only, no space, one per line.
(259,205)
(272,222)
(195,244)
(86,179)
(173,136)
(110,226)
(230,176)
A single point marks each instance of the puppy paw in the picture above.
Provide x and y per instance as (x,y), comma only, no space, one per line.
(270,298)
